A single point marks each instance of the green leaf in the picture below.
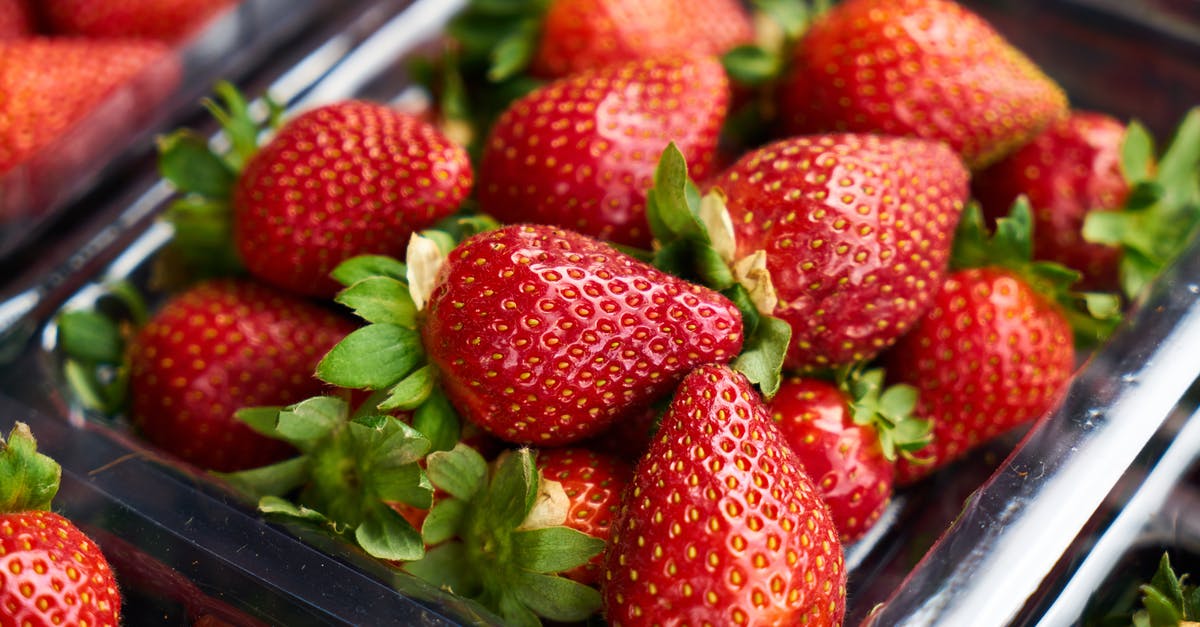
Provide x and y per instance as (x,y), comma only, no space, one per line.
(1166,582)
(1178,168)
(672,204)
(761,359)
(275,506)
(237,123)
(411,391)
(515,612)
(557,598)
(261,420)
(387,442)
(554,549)
(461,471)
(711,268)
(512,491)
(1137,153)
(401,484)
(447,567)
(204,235)
(311,420)
(1105,227)
(185,159)
(364,267)
(94,391)
(386,535)
(438,420)
(513,53)
(792,16)
(752,65)
(28,479)
(898,400)
(382,300)
(444,521)
(273,480)
(375,357)
(91,337)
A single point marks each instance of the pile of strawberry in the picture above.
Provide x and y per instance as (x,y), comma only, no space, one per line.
(642,340)
(75,76)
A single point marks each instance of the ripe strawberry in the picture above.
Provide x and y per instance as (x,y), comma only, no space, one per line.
(60,82)
(989,355)
(581,152)
(546,337)
(857,231)
(579,35)
(216,348)
(1071,169)
(593,483)
(342,180)
(15,20)
(720,524)
(166,20)
(53,574)
(924,68)
(848,435)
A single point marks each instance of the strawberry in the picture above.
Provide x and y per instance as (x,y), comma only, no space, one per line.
(720,525)
(215,348)
(53,573)
(1067,171)
(924,68)
(996,347)
(166,20)
(848,435)
(15,20)
(856,231)
(53,84)
(580,35)
(547,336)
(341,180)
(579,153)
(593,483)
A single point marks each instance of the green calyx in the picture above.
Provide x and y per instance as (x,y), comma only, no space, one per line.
(694,239)
(1093,315)
(1168,600)
(205,174)
(92,341)
(500,539)
(503,35)
(889,410)
(28,479)
(350,470)
(1162,213)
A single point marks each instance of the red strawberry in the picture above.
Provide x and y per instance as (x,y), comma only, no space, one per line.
(593,483)
(989,355)
(219,347)
(857,232)
(847,436)
(580,153)
(580,35)
(1071,169)
(720,524)
(342,180)
(167,20)
(51,573)
(15,20)
(51,85)
(547,337)
(925,68)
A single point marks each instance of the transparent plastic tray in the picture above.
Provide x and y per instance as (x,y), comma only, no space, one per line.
(1021,533)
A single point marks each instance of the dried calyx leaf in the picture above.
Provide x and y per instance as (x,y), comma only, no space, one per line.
(694,239)
(500,540)
(1093,315)
(1162,212)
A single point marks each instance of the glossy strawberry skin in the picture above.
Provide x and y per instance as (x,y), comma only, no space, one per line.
(546,337)
(343,180)
(1066,172)
(581,35)
(166,20)
(924,68)
(219,347)
(46,559)
(594,483)
(580,153)
(720,525)
(989,355)
(15,20)
(857,231)
(844,459)
(63,81)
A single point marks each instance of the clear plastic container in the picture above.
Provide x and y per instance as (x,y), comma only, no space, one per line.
(1021,533)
